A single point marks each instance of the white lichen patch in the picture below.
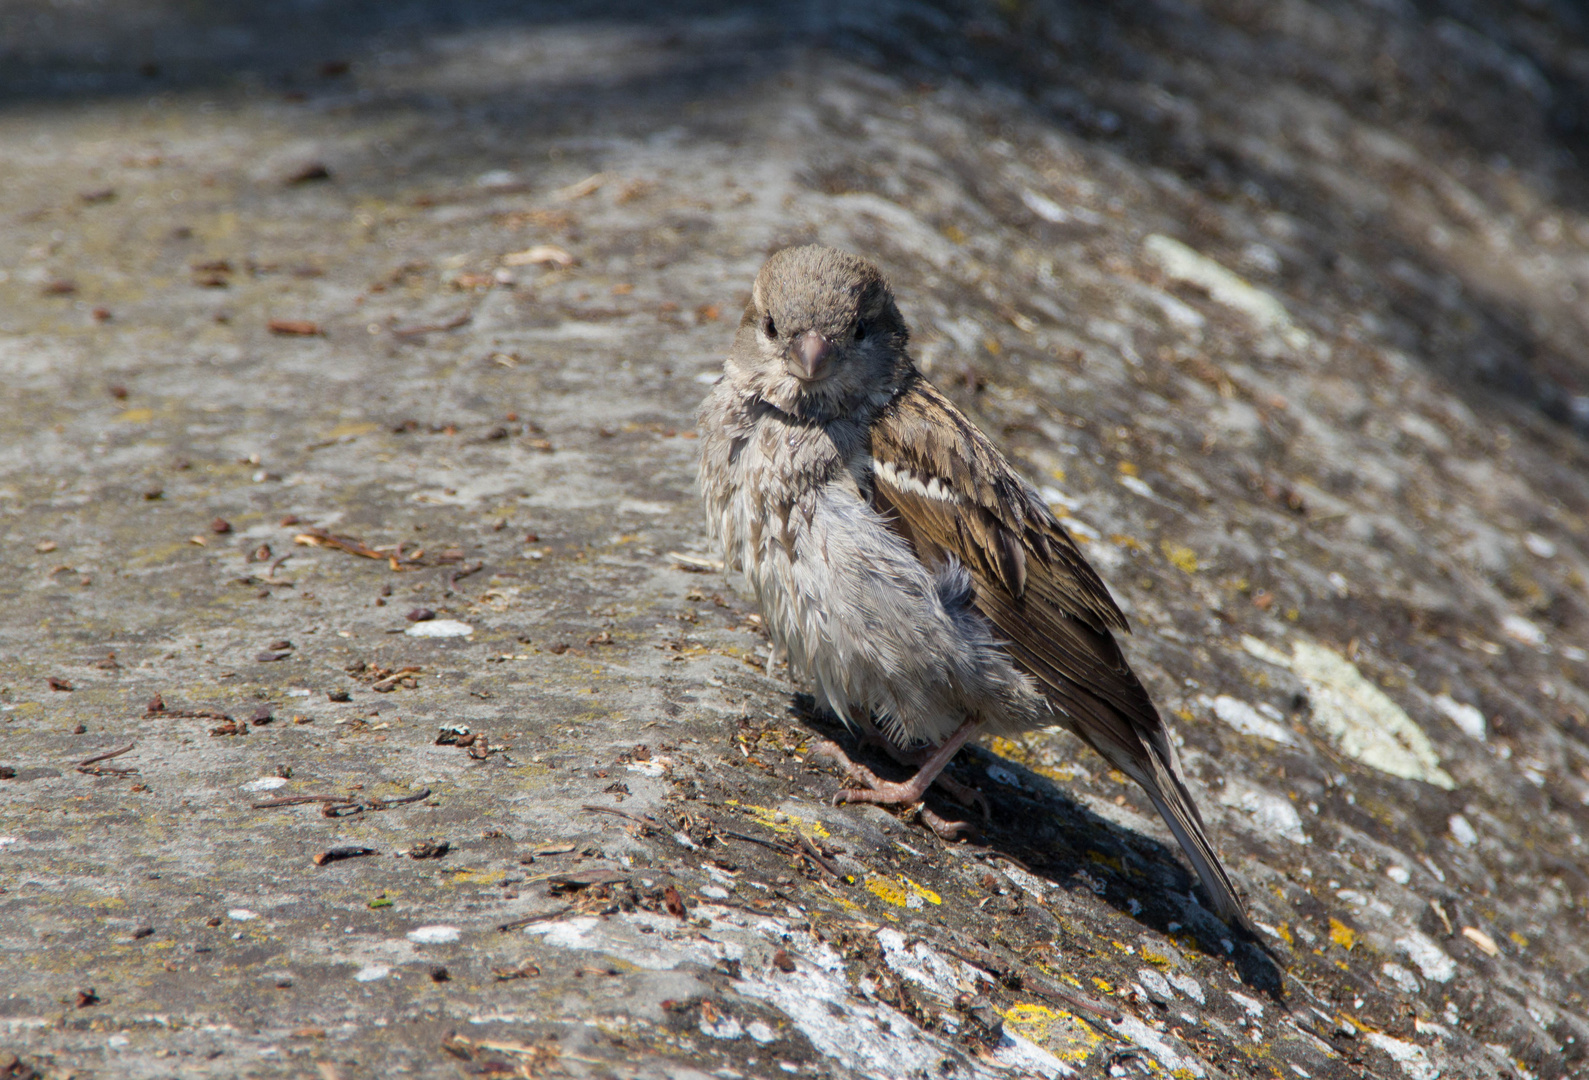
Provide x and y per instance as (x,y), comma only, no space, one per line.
(1433,962)
(624,940)
(1175,1063)
(440,628)
(433,935)
(1522,631)
(1242,717)
(1181,263)
(1464,716)
(1155,984)
(1412,1059)
(265,783)
(1270,814)
(1462,830)
(865,1036)
(1406,980)
(1356,716)
(842,1021)
(1249,1005)
(923,965)
(1186,985)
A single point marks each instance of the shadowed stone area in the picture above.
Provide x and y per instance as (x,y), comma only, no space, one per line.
(348,361)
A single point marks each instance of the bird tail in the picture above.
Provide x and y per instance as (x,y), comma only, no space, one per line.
(1163,784)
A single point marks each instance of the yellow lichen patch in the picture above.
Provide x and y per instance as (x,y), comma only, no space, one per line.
(136,416)
(1024,1017)
(1518,939)
(1103,985)
(352,428)
(1113,862)
(780,822)
(1285,935)
(1008,749)
(1341,934)
(900,891)
(476,877)
(1057,473)
(1122,540)
(922,891)
(844,901)
(1128,469)
(888,890)
(1182,558)
(1062,774)
(1123,947)
(1057,1031)
(1156,958)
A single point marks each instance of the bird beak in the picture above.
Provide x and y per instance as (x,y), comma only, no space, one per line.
(808,356)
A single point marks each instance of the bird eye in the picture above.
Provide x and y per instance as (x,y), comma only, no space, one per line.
(860,330)
(771,327)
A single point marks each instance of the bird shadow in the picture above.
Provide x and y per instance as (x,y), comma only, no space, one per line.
(1041,827)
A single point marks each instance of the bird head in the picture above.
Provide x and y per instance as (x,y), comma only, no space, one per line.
(821,336)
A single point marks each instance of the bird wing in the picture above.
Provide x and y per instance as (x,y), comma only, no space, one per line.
(952,493)
(947,489)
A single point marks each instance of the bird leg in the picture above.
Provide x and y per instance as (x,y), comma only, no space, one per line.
(878,790)
(873,739)
(916,756)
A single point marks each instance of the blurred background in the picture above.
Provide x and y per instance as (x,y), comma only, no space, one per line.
(1429,155)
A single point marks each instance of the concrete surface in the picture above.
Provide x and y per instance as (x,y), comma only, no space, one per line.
(1281,304)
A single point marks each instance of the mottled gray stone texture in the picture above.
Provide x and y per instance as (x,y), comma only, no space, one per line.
(348,361)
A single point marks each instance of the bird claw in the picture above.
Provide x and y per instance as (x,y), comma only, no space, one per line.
(877,790)
(943,828)
(873,788)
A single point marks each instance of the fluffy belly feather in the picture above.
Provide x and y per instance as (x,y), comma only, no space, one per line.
(874,631)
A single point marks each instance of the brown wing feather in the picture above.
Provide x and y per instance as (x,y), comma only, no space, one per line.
(953,492)
(1003,530)
(949,491)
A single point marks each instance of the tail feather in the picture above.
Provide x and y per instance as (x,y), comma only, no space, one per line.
(1174,803)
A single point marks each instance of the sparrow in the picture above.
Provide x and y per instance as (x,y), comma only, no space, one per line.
(912,578)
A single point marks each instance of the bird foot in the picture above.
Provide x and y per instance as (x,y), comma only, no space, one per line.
(943,828)
(871,788)
(878,790)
